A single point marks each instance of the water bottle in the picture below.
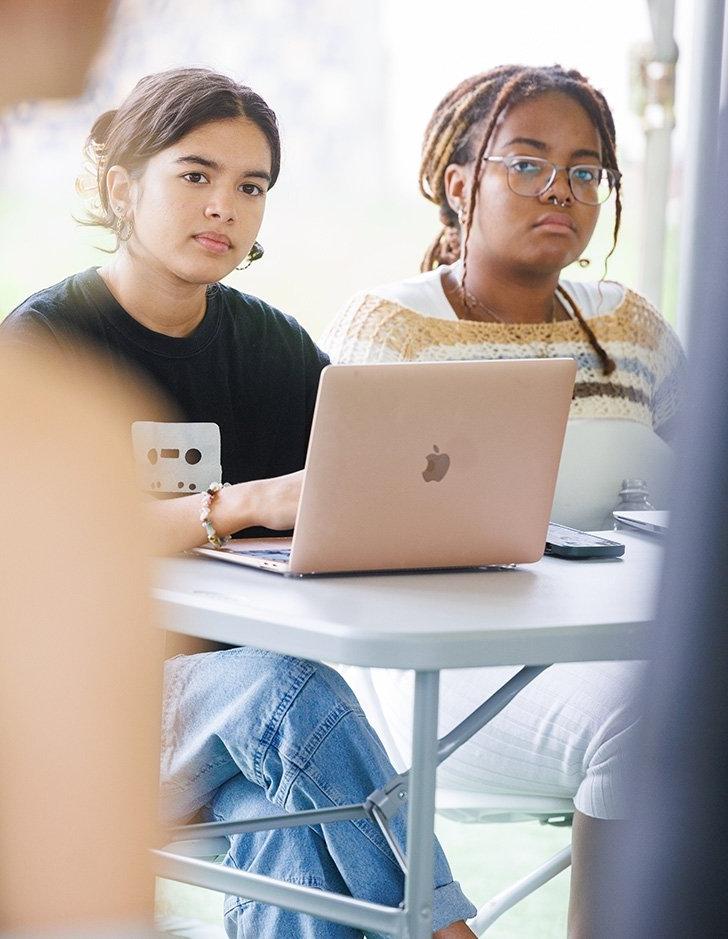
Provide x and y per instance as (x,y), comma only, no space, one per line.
(632,498)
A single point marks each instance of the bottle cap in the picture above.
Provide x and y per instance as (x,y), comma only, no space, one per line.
(634,485)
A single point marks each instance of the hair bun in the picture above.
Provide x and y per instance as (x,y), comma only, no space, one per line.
(100,130)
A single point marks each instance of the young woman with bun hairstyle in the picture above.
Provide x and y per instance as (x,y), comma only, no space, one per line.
(518,161)
(182,171)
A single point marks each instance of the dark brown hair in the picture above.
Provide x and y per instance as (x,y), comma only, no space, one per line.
(160,110)
(478,102)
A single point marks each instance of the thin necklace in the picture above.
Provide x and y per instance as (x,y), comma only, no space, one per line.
(473,300)
(569,307)
(568,303)
(540,349)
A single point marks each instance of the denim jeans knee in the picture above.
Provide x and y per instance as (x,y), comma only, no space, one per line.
(295,731)
(295,855)
(223,711)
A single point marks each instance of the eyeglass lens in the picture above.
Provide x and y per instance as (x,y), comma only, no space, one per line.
(532,176)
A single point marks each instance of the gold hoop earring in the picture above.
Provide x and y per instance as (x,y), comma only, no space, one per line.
(124,228)
(255,254)
(583,262)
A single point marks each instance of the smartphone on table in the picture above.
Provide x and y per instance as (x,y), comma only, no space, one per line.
(564,542)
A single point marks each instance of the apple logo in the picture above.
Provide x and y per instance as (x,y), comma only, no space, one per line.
(437,465)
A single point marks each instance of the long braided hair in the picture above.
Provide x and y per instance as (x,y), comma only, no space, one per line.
(476,103)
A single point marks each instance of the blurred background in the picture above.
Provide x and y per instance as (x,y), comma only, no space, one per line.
(353,86)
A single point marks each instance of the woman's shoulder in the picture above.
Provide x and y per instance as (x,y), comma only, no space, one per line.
(422,293)
(258,313)
(234,300)
(61,298)
(625,311)
(371,328)
(623,316)
(62,307)
(378,324)
(250,322)
(605,297)
(595,298)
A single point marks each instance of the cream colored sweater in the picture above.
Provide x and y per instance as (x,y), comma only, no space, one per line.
(413,322)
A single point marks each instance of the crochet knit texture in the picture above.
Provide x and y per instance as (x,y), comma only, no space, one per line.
(644,387)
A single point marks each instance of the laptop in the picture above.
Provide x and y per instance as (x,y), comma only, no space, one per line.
(420,466)
(655,522)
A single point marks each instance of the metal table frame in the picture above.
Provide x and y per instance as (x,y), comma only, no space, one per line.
(214,613)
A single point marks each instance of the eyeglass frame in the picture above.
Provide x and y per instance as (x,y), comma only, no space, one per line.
(508,161)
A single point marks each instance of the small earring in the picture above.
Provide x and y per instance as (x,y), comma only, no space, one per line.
(462,215)
(255,254)
(583,262)
(124,228)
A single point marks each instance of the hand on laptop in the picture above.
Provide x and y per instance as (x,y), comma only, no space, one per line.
(269,503)
(274,502)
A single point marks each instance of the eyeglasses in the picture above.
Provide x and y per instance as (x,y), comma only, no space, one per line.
(532,176)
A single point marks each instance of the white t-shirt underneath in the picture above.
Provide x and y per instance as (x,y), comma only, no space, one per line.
(424,294)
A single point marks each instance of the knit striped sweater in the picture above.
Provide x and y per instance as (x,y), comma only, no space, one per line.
(645,386)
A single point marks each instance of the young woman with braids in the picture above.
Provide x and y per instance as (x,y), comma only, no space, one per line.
(182,172)
(518,161)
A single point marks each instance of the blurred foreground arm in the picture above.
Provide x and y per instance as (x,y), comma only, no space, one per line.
(80,669)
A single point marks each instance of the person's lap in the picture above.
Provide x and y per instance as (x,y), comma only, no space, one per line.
(566,735)
(249,733)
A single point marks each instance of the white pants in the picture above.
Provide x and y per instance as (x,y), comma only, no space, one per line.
(566,735)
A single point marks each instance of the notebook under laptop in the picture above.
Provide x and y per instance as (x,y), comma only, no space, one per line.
(425,465)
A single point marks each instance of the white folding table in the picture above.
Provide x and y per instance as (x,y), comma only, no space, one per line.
(533,615)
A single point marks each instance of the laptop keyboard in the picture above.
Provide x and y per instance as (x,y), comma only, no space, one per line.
(270,554)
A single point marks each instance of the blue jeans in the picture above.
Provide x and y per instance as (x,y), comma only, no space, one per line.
(249,733)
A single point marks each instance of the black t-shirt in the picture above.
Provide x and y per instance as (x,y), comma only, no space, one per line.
(247,367)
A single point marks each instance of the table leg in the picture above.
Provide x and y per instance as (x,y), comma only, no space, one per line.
(421,809)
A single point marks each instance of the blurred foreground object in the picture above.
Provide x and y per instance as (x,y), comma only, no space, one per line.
(671,869)
(80,669)
(48,46)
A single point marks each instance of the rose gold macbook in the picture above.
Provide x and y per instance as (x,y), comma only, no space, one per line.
(425,465)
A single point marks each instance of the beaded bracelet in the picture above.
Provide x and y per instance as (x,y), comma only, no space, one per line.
(212,536)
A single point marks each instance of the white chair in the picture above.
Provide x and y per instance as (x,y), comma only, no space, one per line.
(476,807)
(458,805)
(597,455)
